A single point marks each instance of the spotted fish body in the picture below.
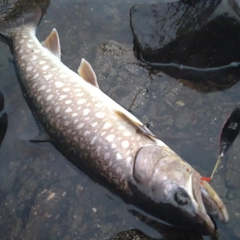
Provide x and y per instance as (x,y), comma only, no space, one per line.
(104,139)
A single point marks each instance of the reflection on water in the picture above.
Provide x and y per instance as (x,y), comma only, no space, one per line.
(43,196)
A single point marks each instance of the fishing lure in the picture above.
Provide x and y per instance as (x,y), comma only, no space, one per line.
(229,132)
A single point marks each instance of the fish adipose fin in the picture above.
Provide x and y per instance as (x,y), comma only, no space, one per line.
(140,128)
(86,71)
(11,23)
(52,43)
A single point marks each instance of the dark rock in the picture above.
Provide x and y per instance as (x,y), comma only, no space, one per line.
(191,42)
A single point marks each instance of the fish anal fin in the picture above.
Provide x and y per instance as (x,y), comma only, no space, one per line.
(86,71)
(52,43)
(140,128)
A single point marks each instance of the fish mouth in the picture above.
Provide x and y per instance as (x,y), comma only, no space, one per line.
(209,205)
(212,202)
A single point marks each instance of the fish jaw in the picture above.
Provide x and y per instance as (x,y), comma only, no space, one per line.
(213,204)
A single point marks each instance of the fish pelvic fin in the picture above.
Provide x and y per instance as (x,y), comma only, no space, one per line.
(86,71)
(52,43)
(18,17)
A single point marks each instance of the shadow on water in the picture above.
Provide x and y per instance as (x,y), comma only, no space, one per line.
(195,42)
(43,196)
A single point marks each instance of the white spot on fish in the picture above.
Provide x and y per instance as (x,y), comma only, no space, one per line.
(57,109)
(66,89)
(86,133)
(59,84)
(48,76)
(49,97)
(113,146)
(93,140)
(43,87)
(22,41)
(80,125)
(29,68)
(125,144)
(29,45)
(66,123)
(100,114)
(107,125)
(45,67)
(42,62)
(80,94)
(81,101)
(110,138)
(98,105)
(103,133)
(106,156)
(94,124)
(75,121)
(68,101)
(62,97)
(128,160)
(118,156)
(121,127)
(39,98)
(68,110)
(34,57)
(36,75)
(74,114)
(63,76)
(86,112)
(126,133)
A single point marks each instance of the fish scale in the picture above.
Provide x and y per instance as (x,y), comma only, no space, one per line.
(104,139)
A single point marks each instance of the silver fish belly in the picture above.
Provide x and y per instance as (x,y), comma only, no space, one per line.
(104,139)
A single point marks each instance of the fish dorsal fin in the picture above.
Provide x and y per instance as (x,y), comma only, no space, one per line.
(52,43)
(140,127)
(145,161)
(86,71)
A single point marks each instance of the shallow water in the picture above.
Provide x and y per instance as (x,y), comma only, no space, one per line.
(33,174)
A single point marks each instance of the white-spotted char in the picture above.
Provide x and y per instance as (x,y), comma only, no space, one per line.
(103,138)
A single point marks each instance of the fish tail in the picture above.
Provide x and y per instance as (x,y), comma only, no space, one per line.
(18,17)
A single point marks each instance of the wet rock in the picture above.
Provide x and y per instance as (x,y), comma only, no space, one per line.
(185,40)
(132,235)
(122,82)
(232,166)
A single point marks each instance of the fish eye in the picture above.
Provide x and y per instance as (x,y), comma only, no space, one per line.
(181,197)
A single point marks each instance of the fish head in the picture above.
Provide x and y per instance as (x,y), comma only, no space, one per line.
(176,191)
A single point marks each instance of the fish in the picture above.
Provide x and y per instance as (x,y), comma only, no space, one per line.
(102,138)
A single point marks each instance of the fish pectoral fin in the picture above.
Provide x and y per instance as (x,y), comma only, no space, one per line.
(52,43)
(140,128)
(86,71)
